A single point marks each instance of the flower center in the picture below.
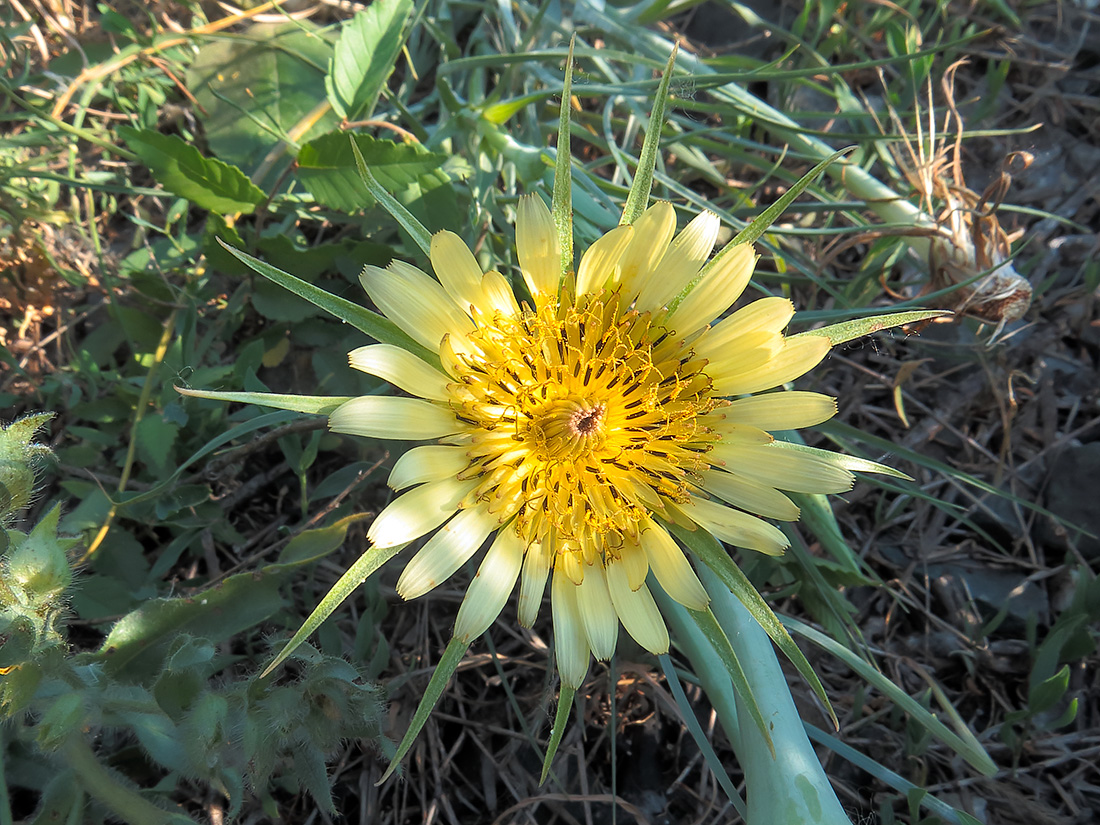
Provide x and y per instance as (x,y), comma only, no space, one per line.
(568,428)
(584,420)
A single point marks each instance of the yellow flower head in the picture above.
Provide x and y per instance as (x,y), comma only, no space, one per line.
(573,428)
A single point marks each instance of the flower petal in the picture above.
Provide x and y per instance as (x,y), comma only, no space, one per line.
(432,462)
(402,369)
(783,469)
(536,564)
(601,259)
(719,287)
(734,527)
(749,494)
(671,567)
(489,589)
(798,356)
(637,611)
(681,262)
(601,622)
(767,314)
(498,293)
(414,302)
(635,563)
(405,419)
(570,644)
(445,552)
(781,410)
(537,248)
(652,233)
(457,269)
(418,512)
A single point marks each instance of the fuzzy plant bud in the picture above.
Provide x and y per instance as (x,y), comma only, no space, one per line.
(18,457)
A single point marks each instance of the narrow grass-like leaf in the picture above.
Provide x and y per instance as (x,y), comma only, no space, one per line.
(376,326)
(420,235)
(762,222)
(858,327)
(355,575)
(962,741)
(181,169)
(448,663)
(364,56)
(638,197)
(687,714)
(710,628)
(847,462)
(561,205)
(312,404)
(711,553)
(561,719)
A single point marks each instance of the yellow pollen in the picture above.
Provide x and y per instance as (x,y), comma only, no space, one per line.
(584,420)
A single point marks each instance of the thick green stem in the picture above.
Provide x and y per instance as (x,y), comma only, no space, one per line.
(791,788)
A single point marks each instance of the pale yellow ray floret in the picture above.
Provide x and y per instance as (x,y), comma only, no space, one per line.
(567,431)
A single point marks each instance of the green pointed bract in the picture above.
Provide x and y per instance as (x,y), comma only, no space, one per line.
(762,222)
(847,462)
(312,404)
(716,637)
(561,719)
(850,330)
(421,236)
(355,575)
(456,649)
(707,549)
(376,326)
(638,197)
(561,206)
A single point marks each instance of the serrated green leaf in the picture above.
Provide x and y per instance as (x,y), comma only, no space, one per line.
(448,663)
(256,88)
(181,169)
(858,327)
(364,56)
(326,166)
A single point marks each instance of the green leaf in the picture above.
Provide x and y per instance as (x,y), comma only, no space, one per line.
(155,439)
(238,603)
(561,719)
(366,564)
(638,197)
(398,212)
(259,87)
(561,203)
(847,462)
(716,637)
(765,219)
(964,743)
(376,326)
(312,404)
(181,169)
(326,166)
(1044,695)
(858,327)
(707,548)
(456,649)
(364,57)
(310,545)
